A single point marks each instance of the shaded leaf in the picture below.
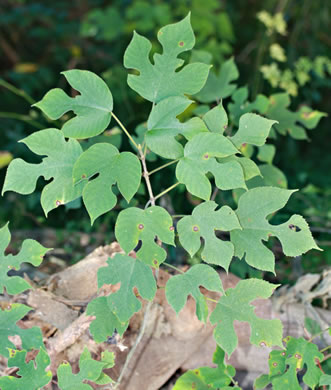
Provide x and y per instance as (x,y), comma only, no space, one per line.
(216,119)
(93,106)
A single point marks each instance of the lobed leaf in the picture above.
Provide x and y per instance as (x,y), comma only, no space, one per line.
(134,225)
(110,166)
(130,273)
(31,252)
(203,223)
(61,155)
(32,375)
(235,305)
(179,287)
(93,106)
(253,208)
(161,79)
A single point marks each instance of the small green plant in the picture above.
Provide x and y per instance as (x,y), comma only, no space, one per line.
(211,154)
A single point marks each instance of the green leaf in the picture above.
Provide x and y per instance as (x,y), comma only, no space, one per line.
(31,338)
(219,86)
(108,358)
(105,322)
(207,378)
(179,287)
(253,208)
(163,127)
(261,382)
(134,225)
(61,155)
(235,306)
(93,106)
(31,252)
(266,153)
(32,375)
(312,326)
(216,119)
(253,130)
(130,273)
(200,158)
(89,369)
(203,224)
(112,167)
(160,80)
(325,379)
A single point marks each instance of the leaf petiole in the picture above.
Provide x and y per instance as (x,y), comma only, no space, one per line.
(167,190)
(125,130)
(163,166)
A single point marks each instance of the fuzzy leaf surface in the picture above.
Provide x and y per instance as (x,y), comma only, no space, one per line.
(208,378)
(32,376)
(112,167)
(93,106)
(163,127)
(134,225)
(253,208)
(235,305)
(130,273)
(31,252)
(61,155)
(203,223)
(200,155)
(179,287)
(219,86)
(160,80)
(31,338)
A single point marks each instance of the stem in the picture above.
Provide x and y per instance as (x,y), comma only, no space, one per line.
(138,339)
(173,267)
(317,334)
(210,299)
(167,190)
(23,118)
(16,91)
(125,130)
(163,166)
(325,349)
(178,216)
(146,176)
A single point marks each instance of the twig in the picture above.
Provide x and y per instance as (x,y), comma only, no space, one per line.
(146,176)
(173,267)
(16,91)
(23,118)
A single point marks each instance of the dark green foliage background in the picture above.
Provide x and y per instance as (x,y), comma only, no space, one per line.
(39,39)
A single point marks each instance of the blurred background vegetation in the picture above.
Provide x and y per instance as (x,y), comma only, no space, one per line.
(277,45)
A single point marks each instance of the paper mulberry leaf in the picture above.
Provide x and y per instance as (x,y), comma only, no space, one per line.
(32,375)
(203,223)
(216,119)
(266,153)
(219,86)
(253,130)
(130,273)
(235,305)
(253,208)
(163,127)
(105,322)
(61,155)
(200,158)
(134,225)
(179,287)
(208,378)
(31,252)
(160,80)
(93,106)
(89,369)
(112,167)
(31,338)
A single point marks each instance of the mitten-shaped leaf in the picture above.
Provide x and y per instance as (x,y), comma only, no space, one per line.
(89,369)
(134,225)
(32,375)
(253,208)
(203,224)
(160,80)
(219,86)
(235,305)
(105,322)
(208,378)
(112,167)
(31,252)
(253,130)
(31,338)
(61,155)
(200,158)
(216,119)
(130,273)
(163,127)
(179,287)
(93,106)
